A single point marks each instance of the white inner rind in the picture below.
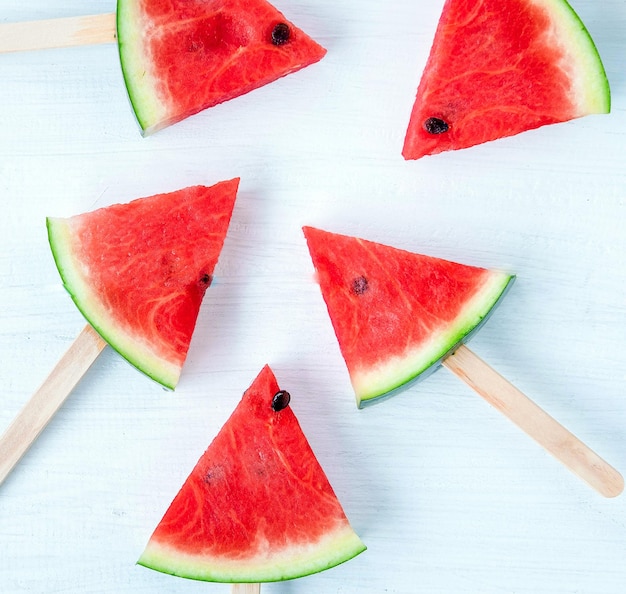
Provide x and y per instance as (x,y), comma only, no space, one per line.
(289,562)
(76,280)
(375,382)
(141,84)
(581,60)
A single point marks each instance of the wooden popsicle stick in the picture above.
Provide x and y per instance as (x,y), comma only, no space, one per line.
(44,403)
(527,415)
(246,589)
(55,33)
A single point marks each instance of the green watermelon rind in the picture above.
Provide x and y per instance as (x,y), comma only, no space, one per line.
(128,345)
(591,84)
(388,377)
(295,561)
(140,83)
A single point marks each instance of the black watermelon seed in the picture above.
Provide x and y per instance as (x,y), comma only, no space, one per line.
(205,279)
(436,126)
(281,400)
(281,34)
(359,285)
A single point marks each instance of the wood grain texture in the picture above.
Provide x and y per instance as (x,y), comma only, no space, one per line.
(48,398)
(246,589)
(533,420)
(56,33)
(449,497)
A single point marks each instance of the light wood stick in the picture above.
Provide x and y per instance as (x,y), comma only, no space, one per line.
(550,434)
(54,33)
(246,589)
(45,402)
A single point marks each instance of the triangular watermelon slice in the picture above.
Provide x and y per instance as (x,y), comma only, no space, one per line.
(500,67)
(257,507)
(179,57)
(397,314)
(138,271)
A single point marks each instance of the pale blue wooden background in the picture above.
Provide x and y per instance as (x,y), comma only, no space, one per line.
(449,497)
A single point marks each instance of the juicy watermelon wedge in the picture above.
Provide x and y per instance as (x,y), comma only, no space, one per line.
(397,314)
(257,507)
(180,57)
(138,271)
(500,67)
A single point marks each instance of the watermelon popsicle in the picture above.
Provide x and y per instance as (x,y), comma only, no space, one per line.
(179,58)
(499,68)
(257,506)
(398,315)
(138,273)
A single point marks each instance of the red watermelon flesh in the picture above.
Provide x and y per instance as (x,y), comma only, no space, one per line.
(395,313)
(139,271)
(182,56)
(500,67)
(257,506)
